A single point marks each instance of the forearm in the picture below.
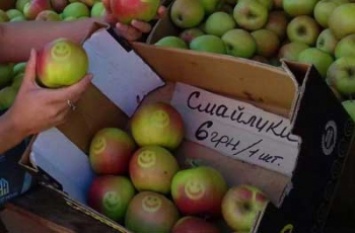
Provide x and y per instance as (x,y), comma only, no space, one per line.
(10,135)
(17,39)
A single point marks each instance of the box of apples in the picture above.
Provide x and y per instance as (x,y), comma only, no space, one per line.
(177,143)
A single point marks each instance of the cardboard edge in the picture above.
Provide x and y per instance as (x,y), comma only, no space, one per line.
(25,160)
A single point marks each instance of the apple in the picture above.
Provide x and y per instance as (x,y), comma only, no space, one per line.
(5,73)
(241,206)
(18,68)
(290,51)
(158,124)
(277,22)
(349,106)
(48,15)
(321,60)
(267,42)
(89,3)
(324,9)
(250,15)
(341,75)
(61,62)
(342,21)
(219,23)
(110,151)
(69,18)
(3,16)
(125,11)
(110,195)
(299,7)
(172,42)
(239,43)
(59,5)
(17,81)
(7,97)
(34,7)
(198,191)
(326,41)
(76,10)
(208,43)
(98,10)
(151,212)
(12,13)
(193,224)
(18,19)
(20,4)
(187,13)
(303,29)
(345,47)
(152,168)
(189,34)
(210,6)
(267,3)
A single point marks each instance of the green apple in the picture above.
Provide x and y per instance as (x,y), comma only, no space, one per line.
(299,7)
(70,18)
(303,29)
(239,43)
(210,6)
(189,34)
(48,15)
(187,13)
(326,41)
(208,43)
(324,9)
(98,10)
(76,10)
(3,16)
(277,22)
(20,4)
(250,15)
(349,106)
(7,97)
(290,51)
(19,68)
(341,75)
(12,13)
(321,60)
(18,19)
(267,42)
(267,3)
(5,73)
(172,42)
(345,47)
(17,81)
(241,206)
(342,20)
(219,23)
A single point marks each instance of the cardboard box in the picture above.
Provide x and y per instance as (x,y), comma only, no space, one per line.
(303,116)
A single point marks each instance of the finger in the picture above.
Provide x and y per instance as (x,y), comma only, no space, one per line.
(141,26)
(73,92)
(30,72)
(109,18)
(128,32)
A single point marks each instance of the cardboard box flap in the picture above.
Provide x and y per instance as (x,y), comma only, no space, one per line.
(225,75)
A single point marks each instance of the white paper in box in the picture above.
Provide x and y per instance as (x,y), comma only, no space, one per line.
(124,78)
(237,129)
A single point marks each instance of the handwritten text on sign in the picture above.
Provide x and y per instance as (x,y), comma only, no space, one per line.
(237,129)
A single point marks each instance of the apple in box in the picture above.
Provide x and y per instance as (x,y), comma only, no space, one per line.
(125,11)
(61,62)
(110,151)
(158,124)
(152,168)
(199,191)
(151,212)
(33,8)
(241,206)
(192,224)
(110,195)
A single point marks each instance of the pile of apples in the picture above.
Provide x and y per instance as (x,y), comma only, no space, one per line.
(320,32)
(141,184)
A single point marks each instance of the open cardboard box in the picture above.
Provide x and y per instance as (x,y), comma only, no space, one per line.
(314,131)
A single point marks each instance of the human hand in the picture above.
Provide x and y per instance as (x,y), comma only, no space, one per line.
(136,29)
(36,109)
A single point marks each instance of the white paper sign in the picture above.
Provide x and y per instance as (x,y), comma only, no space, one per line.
(122,76)
(237,129)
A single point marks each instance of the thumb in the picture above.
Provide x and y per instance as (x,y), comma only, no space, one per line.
(74,91)
(30,72)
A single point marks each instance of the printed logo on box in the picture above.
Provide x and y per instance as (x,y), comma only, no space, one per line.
(329,137)
(4,187)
